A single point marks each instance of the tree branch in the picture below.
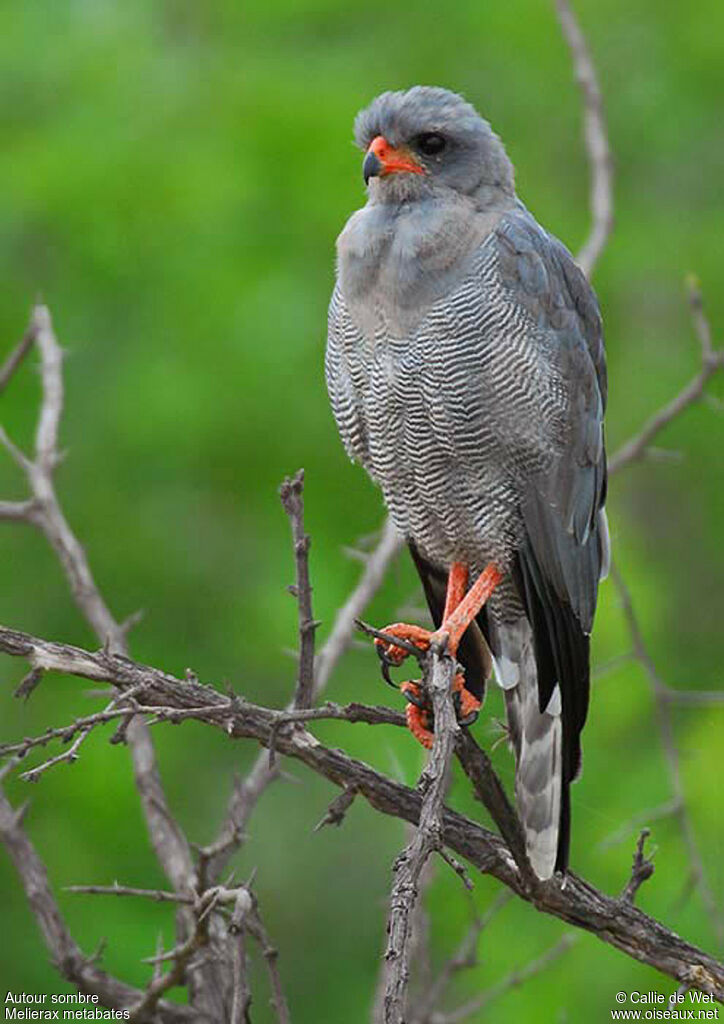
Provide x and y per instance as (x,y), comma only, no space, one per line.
(13,361)
(426,1006)
(77,968)
(248,791)
(515,979)
(427,839)
(712,361)
(169,842)
(641,870)
(376,565)
(596,138)
(577,903)
(662,704)
(292,496)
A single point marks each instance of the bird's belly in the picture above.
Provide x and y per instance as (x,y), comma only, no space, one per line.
(450,485)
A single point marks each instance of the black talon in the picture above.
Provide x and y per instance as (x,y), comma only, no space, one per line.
(385,666)
(471,715)
(415,698)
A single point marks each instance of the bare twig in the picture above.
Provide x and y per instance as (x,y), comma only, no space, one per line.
(699,319)
(68,756)
(700,698)
(577,903)
(463,957)
(477,766)
(28,683)
(596,137)
(45,512)
(427,839)
(354,712)
(659,691)
(16,511)
(181,955)
(255,927)
(711,362)
(248,791)
(458,868)
(17,355)
(337,810)
(157,895)
(292,496)
(241,999)
(513,980)
(376,565)
(641,870)
(77,968)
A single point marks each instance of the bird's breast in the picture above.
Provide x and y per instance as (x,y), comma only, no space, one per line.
(395,262)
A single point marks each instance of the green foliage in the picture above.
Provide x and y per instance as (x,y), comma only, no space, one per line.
(173,178)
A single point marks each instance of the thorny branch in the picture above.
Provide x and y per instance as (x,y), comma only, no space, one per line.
(13,361)
(248,791)
(596,138)
(291,492)
(44,511)
(515,979)
(577,903)
(79,969)
(465,956)
(660,693)
(641,870)
(427,839)
(711,362)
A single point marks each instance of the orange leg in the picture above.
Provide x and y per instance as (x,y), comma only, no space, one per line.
(457,584)
(460,610)
(454,625)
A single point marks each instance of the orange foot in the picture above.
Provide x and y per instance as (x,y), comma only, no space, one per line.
(461,607)
(419,713)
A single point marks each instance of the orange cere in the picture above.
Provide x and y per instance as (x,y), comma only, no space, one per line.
(394,160)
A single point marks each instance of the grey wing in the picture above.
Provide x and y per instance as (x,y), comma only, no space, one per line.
(562,509)
(344,372)
(564,551)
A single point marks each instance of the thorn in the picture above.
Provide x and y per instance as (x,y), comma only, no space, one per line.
(28,683)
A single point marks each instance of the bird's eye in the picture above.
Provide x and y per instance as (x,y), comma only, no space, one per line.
(431,143)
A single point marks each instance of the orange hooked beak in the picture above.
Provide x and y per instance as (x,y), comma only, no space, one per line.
(382,159)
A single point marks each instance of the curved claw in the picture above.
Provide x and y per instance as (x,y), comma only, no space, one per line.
(386,664)
(412,693)
(467,706)
(466,718)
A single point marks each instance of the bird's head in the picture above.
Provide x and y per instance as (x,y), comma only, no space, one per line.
(427,140)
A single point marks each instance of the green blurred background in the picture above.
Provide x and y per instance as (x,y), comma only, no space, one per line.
(172,178)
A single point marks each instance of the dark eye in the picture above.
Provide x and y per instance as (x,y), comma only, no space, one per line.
(431,143)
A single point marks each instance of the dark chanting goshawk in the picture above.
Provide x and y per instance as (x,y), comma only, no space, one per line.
(466,370)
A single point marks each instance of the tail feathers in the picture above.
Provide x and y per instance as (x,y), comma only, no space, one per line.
(537,740)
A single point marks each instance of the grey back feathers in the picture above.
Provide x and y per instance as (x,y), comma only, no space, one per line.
(466,372)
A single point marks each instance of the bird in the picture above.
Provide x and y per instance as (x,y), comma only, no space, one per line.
(466,372)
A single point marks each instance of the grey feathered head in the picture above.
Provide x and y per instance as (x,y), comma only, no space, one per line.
(435,135)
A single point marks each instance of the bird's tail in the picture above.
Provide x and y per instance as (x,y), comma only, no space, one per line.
(537,741)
